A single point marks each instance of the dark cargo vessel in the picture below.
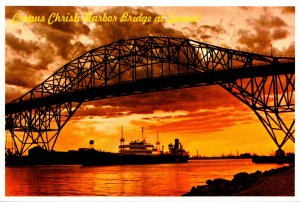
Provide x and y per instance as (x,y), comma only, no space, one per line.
(137,152)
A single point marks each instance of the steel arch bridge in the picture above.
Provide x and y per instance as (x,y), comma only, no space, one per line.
(264,83)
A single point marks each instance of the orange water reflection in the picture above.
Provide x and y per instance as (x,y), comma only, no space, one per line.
(130,180)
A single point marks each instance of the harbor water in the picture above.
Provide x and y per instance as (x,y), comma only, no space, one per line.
(123,180)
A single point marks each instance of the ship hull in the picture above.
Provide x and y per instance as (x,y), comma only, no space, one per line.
(98,159)
(92,158)
(274,159)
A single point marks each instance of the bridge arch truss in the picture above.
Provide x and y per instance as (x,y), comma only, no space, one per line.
(139,65)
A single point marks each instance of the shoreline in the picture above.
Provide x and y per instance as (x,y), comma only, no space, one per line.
(274,182)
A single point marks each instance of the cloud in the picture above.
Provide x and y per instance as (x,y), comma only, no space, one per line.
(214,29)
(265,30)
(189,100)
(21,73)
(112,31)
(20,45)
(287,51)
(267,21)
(278,34)
(205,37)
(288,10)
(205,122)
(61,41)
(259,40)
(57,35)
(179,120)
(246,8)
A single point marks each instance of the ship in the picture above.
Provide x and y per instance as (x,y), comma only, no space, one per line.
(138,152)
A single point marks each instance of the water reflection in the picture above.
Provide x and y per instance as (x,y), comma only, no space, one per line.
(128,180)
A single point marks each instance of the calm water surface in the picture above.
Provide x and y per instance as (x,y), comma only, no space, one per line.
(128,180)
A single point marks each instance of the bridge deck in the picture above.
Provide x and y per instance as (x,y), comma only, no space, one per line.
(154,84)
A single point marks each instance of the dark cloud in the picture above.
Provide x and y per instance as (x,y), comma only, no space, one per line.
(20,45)
(187,30)
(199,31)
(214,29)
(61,35)
(206,109)
(205,32)
(62,42)
(267,21)
(288,10)
(190,100)
(265,30)
(246,8)
(43,52)
(258,41)
(21,73)
(45,55)
(52,41)
(205,37)
(284,10)
(112,31)
(279,33)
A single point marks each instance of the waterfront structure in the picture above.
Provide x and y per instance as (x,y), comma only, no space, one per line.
(265,83)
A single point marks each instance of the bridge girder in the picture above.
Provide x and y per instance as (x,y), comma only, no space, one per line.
(145,64)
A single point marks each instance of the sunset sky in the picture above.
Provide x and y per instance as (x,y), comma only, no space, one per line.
(207,119)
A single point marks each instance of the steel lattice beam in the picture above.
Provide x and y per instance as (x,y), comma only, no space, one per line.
(145,64)
(270,97)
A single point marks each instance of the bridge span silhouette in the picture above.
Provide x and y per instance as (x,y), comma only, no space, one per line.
(265,83)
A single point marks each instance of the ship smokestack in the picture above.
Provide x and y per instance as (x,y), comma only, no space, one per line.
(176,146)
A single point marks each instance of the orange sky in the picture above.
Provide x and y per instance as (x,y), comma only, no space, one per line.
(207,119)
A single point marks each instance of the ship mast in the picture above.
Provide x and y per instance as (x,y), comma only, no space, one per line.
(122,140)
(142,133)
(157,142)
